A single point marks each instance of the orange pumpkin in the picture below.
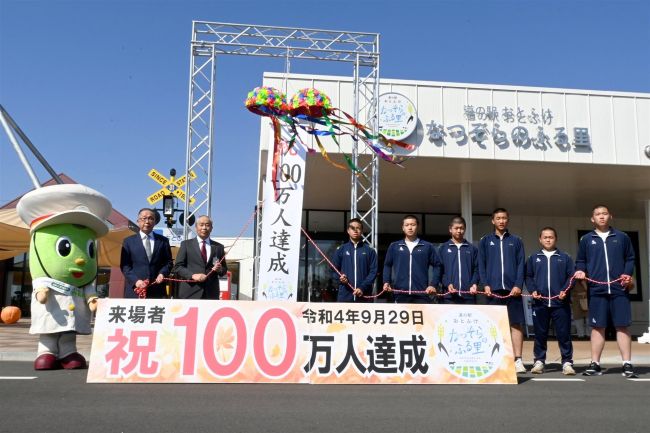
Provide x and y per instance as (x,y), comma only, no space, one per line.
(10,315)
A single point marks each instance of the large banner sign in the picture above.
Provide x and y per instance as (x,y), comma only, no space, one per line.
(296,342)
(281,219)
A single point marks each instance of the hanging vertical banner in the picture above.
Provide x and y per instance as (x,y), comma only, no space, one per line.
(281,219)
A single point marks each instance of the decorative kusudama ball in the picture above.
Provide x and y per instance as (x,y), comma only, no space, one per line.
(310,102)
(10,315)
(266,101)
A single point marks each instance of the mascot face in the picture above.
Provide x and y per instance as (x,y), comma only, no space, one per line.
(67,252)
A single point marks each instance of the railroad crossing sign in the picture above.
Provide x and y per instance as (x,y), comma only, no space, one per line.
(170,186)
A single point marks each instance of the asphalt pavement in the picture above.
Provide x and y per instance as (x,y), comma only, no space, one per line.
(61,401)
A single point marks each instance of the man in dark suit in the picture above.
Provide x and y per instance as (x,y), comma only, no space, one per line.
(195,259)
(146,256)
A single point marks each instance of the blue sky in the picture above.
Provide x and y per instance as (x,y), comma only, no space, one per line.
(101,86)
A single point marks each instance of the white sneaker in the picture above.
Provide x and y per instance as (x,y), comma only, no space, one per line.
(519,366)
(567,369)
(538,367)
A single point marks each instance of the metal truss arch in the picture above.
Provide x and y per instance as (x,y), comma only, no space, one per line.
(211,39)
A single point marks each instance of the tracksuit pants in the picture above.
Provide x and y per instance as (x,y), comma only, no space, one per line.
(561,316)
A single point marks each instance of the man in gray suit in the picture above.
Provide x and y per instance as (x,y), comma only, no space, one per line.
(195,259)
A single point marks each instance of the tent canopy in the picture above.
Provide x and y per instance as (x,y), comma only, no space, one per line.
(14,239)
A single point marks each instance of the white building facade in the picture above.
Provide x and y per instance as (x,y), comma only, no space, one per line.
(546,155)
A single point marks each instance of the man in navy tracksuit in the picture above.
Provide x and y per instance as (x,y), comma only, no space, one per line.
(406,267)
(459,265)
(501,268)
(358,265)
(604,255)
(548,275)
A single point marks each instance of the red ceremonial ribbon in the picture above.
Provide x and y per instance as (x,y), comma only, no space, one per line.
(277,150)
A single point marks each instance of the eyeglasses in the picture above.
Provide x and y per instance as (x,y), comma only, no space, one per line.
(146,219)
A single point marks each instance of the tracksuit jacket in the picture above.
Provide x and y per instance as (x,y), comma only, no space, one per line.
(459,266)
(359,263)
(549,276)
(605,261)
(410,271)
(501,261)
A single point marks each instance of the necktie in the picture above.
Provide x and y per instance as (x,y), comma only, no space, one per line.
(204,253)
(147,247)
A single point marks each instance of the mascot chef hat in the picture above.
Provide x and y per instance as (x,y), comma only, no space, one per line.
(65,204)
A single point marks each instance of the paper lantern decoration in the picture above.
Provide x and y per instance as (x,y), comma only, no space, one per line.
(10,315)
(266,101)
(310,102)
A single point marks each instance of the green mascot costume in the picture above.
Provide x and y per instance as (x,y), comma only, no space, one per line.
(64,221)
